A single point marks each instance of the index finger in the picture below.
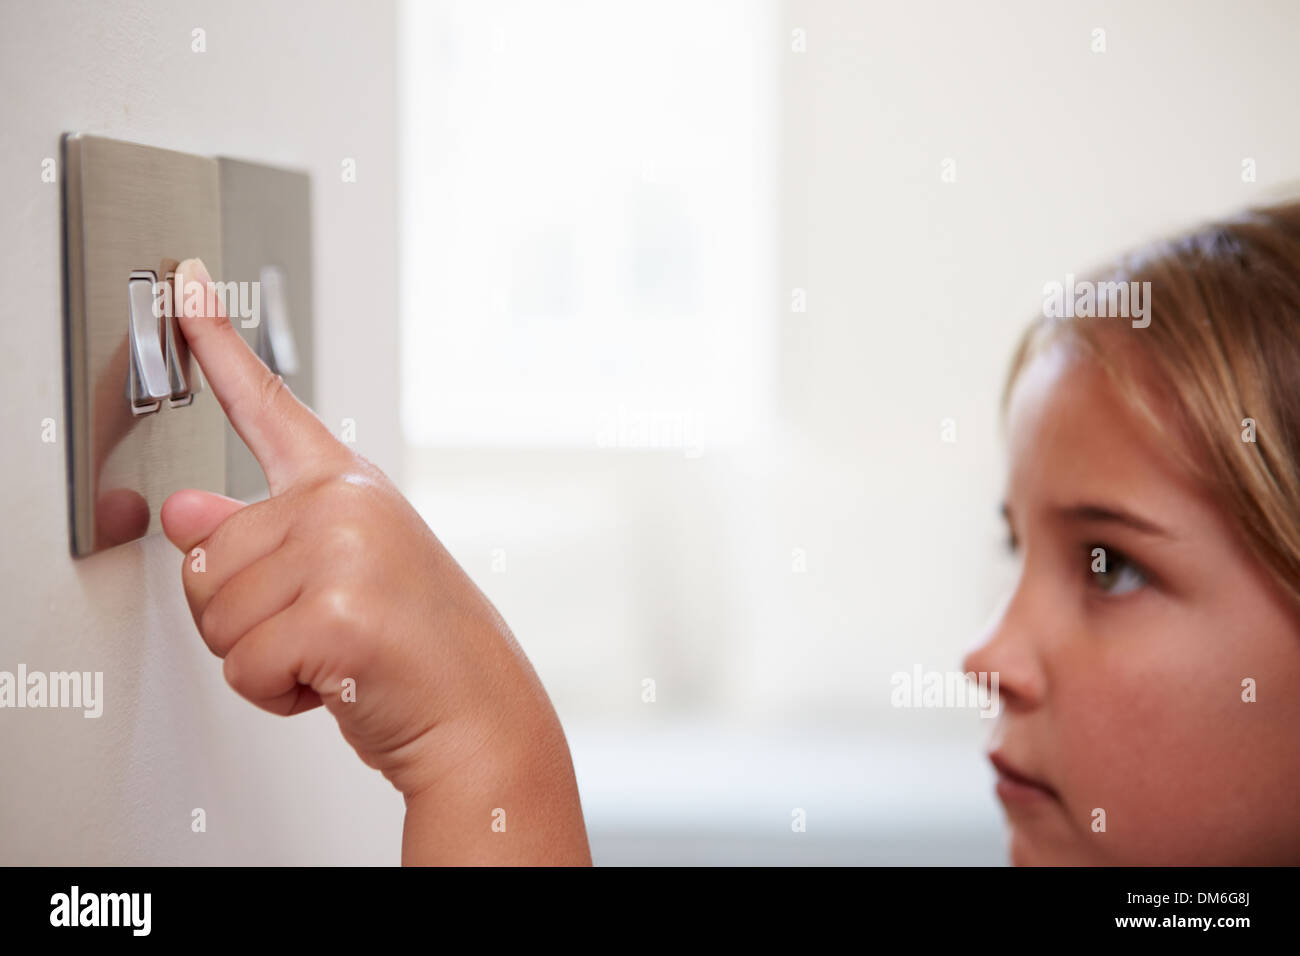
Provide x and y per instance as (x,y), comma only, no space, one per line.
(288,440)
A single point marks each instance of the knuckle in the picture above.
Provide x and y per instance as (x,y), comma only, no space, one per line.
(346,537)
(211,628)
(340,610)
(222,544)
(345,508)
(342,491)
(260,400)
(208,620)
(193,584)
(271,388)
(234,673)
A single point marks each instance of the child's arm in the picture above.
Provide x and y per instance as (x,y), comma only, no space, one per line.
(333,591)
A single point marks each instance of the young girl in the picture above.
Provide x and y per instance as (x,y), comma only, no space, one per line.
(1150,653)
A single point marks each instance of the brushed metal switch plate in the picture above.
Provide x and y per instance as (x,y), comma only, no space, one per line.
(266,238)
(132,209)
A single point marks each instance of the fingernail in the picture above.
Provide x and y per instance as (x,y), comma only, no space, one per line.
(193,270)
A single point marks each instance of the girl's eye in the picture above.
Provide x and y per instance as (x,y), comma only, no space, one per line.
(1113,573)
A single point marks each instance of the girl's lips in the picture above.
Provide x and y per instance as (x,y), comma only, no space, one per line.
(1016,787)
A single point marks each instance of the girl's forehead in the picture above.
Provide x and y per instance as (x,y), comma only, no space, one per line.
(1071,436)
(1038,381)
(1058,399)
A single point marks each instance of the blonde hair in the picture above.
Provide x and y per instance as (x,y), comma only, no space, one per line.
(1222,346)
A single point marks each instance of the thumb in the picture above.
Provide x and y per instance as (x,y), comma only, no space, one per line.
(190,516)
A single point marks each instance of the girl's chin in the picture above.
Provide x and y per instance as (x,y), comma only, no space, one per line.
(1040,842)
(1024,851)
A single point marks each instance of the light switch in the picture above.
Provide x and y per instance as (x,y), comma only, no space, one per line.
(138,427)
(140,424)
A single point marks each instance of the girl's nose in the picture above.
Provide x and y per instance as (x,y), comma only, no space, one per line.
(1008,648)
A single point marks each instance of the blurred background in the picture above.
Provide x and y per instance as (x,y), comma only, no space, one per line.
(705,312)
(682,324)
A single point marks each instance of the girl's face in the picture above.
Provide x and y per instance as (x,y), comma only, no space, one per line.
(1122,689)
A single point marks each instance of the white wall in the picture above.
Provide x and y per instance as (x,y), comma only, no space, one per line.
(299,83)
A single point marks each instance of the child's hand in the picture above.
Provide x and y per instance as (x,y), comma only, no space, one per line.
(334,591)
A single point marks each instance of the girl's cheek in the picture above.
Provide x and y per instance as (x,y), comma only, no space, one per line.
(1153,741)
(1104,700)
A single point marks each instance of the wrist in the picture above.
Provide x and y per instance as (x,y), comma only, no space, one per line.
(510,797)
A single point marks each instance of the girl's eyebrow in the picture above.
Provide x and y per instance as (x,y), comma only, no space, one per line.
(1107,513)
(1099,513)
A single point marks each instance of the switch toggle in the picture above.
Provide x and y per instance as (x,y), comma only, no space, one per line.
(275,344)
(148,381)
(181,378)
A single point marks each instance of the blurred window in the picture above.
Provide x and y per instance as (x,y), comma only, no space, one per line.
(588,247)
